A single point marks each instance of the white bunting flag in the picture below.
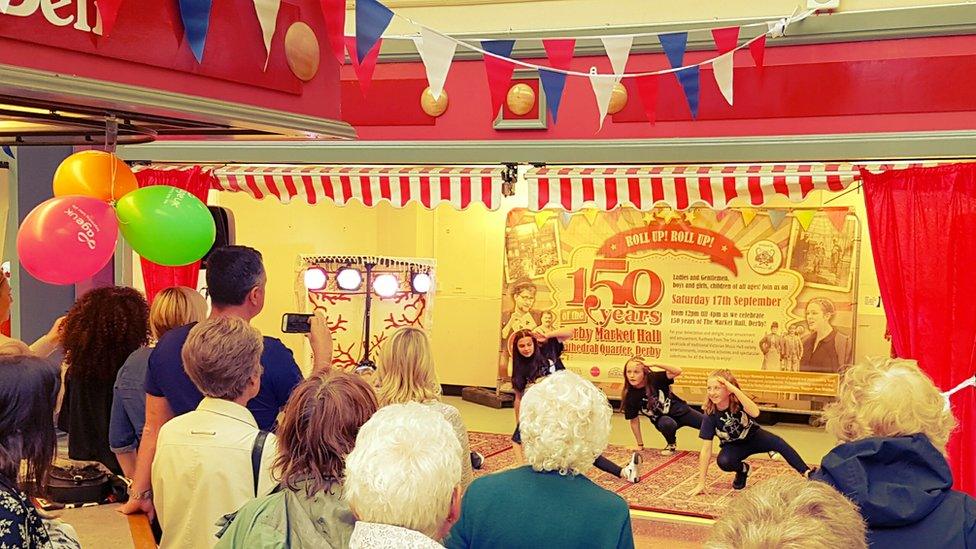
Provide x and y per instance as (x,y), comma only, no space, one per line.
(722,70)
(267,11)
(437,53)
(4,4)
(618,50)
(603,89)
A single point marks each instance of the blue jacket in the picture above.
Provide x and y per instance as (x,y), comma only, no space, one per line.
(903,487)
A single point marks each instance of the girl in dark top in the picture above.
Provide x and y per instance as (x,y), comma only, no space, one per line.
(649,393)
(100,332)
(536,355)
(730,415)
(28,391)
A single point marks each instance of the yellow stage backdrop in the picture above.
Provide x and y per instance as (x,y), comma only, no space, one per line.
(767,293)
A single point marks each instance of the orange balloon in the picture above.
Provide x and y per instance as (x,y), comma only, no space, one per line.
(89,173)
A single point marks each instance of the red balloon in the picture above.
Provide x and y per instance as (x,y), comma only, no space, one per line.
(67,239)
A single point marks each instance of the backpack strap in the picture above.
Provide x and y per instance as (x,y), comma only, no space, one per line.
(256,453)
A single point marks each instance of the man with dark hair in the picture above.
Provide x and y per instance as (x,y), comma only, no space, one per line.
(522,317)
(236,282)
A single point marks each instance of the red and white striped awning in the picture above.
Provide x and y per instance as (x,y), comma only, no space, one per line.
(398,185)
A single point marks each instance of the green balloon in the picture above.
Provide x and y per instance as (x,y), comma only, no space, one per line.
(166,225)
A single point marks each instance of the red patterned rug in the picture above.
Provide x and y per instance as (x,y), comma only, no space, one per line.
(665,480)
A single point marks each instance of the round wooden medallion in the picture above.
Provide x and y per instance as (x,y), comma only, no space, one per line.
(302,51)
(520,99)
(618,99)
(433,107)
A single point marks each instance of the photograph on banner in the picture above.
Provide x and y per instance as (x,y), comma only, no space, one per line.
(345,310)
(769,294)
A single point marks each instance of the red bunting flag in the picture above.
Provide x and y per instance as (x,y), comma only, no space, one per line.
(837,217)
(499,71)
(364,70)
(334,12)
(560,52)
(647,88)
(758,50)
(109,11)
(726,39)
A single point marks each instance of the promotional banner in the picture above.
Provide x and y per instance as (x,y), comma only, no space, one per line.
(701,289)
(346,309)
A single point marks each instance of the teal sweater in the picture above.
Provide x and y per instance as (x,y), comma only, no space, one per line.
(524,508)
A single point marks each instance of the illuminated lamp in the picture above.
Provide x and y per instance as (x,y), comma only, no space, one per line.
(349,279)
(420,283)
(386,285)
(315,278)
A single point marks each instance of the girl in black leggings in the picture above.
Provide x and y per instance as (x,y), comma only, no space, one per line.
(730,415)
(536,355)
(649,393)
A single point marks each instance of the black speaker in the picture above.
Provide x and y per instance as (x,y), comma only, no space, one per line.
(224,221)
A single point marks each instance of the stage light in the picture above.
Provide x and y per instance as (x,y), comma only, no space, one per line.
(349,278)
(386,285)
(315,278)
(420,282)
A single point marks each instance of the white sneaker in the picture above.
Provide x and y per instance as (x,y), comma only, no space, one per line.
(773,455)
(668,450)
(631,472)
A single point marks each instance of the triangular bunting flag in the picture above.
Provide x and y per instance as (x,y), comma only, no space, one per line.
(837,217)
(364,70)
(804,217)
(776,217)
(7,151)
(4,4)
(108,10)
(603,90)
(758,51)
(267,12)
(499,71)
(720,214)
(553,84)
(542,217)
(196,23)
(647,88)
(560,54)
(674,45)
(334,12)
(565,218)
(590,214)
(726,39)
(722,70)
(618,50)
(748,214)
(372,18)
(437,53)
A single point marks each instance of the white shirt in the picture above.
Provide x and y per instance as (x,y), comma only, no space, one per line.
(371,535)
(202,471)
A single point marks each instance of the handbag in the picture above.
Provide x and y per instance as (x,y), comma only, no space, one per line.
(79,484)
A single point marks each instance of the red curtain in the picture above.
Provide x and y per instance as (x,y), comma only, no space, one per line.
(923,233)
(196,181)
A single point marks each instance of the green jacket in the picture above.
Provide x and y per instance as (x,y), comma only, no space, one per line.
(289,519)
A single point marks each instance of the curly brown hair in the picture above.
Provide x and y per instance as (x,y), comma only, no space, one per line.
(319,427)
(101,331)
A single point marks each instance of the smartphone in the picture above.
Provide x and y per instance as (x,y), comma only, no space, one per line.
(295,323)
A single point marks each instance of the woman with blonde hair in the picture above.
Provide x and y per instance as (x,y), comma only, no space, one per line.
(173,307)
(405,373)
(731,416)
(893,425)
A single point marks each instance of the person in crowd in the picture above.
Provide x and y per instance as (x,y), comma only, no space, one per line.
(204,466)
(536,355)
(28,393)
(824,348)
(44,346)
(522,317)
(548,322)
(236,283)
(731,416)
(648,393)
(406,374)
(101,330)
(789,512)
(773,349)
(793,345)
(549,502)
(318,430)
(893,425)
(173,307)
(403,479)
